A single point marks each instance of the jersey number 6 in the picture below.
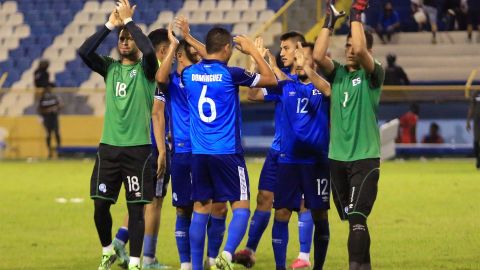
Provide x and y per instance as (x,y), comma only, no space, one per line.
(213,109)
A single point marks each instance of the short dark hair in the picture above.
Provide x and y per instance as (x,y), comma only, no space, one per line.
(185,46)
(297,36)
(158,37)
(308,45)
(217,38)
(368,38)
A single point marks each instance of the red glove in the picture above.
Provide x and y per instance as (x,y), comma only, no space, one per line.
(358,7)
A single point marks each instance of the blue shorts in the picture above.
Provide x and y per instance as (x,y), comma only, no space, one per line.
(268,176)
(310,180)
(181,170)
(161,184)
(221,178)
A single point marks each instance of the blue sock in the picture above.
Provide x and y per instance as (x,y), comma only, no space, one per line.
(122,235)
(280,242)
(305,231)
(149,245)
(258,224)
(237,229)
(215,233)
(198,228)
(182,225)
(322,236)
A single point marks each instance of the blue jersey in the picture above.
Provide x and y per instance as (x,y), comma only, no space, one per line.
(179,115)
(161,97)
(212,94)
(278,111)
(304,123)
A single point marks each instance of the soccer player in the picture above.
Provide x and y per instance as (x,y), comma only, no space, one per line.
(218,166)
(474,113)
(302,165)
(268,178)
(160,154)
(124,153)
(355,140)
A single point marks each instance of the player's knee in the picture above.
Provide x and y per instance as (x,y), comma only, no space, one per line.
(219,210)
(184,211)
(283,214)
(358,222)
(264,200)
(319,215)
(101,207)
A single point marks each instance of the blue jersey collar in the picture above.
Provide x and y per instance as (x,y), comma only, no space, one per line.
(212,61)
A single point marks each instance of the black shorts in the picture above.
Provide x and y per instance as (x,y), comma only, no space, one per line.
(354,185)
(50,121)
(160,185)
(128,164)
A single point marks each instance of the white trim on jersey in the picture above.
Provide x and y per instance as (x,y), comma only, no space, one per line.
(243,184)
(256,80)
(265,92)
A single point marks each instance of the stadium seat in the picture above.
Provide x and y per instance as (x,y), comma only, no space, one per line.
(3,57)
(9,7)
(22,31)
(241,5)
(225,5)
(249,16)
(265,15)
(215,16)
(198,17)
(165,17)
(208,5)
(107,7)
(191,5)
(258,5)
(91,6)
(240,28)
(14,19)
(232,16)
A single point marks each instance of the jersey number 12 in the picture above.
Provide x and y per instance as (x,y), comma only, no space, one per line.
(213,109)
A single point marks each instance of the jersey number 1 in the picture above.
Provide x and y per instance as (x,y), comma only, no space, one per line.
(346,99)
(213,109)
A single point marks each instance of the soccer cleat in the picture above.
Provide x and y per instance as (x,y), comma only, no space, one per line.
(300,264)
(134,267)
(122,254)
(223,263)
(244,257)
(107,260)
(155,265)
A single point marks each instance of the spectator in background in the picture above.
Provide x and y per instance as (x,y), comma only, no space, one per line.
(394,74)
(434,135)
(49,107)
(474,113)
(407,133)
(431,9)
(388,22)
(418,14)
(454,17)
(42,77)
(473,18)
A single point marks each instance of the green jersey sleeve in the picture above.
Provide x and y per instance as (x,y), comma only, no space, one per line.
(377,77)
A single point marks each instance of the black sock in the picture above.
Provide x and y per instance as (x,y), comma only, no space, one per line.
(103,221)
(358,241)
(321,237)
(136,228)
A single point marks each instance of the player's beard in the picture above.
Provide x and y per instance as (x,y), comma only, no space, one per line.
(302,77)
(131,55)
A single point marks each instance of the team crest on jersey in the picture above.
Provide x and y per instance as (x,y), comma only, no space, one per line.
(102,188)
(133,73)
(356,81)
(292,93)
(316,92)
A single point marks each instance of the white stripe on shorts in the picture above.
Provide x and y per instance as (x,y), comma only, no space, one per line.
(243,184)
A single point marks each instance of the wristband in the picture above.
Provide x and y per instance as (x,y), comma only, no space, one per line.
(127,20)
(110,26)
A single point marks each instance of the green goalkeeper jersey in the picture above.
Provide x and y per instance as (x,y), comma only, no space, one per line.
(354,133)
(129,101)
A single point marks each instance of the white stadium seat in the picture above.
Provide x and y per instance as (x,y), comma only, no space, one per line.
(232,16)
(68,53)
(98,18)
(77,41)
(241,5)
(191,5)
(82,18)
(22,31)
(61,41)
(249,16)
(155,26)
(6,31)
(259,5)
(10,43)
(208,5)
(165,17)
(240,28)
(3,55)
(265,15)
(91,6)
(14,19)
(215,16)
(107,6)
(225,5)
(198,17)
(9,7)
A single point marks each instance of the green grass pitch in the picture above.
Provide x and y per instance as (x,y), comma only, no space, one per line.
(426,217)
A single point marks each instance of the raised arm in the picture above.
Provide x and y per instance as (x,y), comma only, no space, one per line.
(246,46)
(323,39)
(320,83)
(150,63)
(88,48)
(166,67)
(359,42)
(158,125)
(182,23)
